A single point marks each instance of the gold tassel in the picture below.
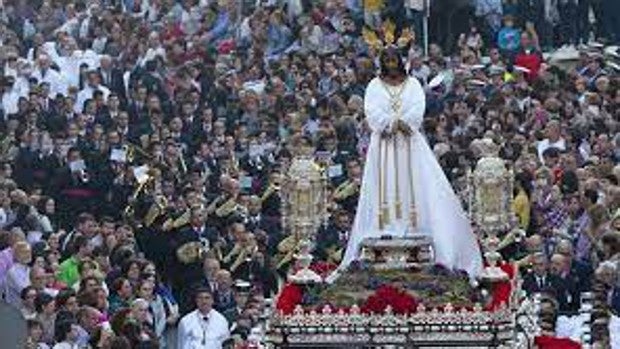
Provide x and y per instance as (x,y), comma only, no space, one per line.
(385,208)
(398,205)
(414,220)
(380,174)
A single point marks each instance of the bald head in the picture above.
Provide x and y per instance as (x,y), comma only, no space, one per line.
(559,264)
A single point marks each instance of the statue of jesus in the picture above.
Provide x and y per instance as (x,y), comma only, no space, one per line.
(404,190)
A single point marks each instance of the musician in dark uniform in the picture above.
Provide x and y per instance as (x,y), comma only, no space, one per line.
(346,193)
(189,244)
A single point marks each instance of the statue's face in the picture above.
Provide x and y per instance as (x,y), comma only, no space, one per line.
(390,62)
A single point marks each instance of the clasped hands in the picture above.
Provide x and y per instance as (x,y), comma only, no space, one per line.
(396,127)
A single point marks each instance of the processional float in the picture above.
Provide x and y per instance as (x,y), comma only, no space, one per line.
(512,324)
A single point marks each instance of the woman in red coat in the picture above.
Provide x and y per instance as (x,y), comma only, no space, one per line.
(529,56)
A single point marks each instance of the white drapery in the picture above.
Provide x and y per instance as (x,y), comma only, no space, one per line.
(439,212)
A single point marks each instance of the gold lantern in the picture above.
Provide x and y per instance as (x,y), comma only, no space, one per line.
(305,210)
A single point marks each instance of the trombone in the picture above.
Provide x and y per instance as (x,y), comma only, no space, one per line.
(129,209)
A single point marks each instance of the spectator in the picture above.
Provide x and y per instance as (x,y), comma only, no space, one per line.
(121,295)
(18,276)
(508,38)
(28,307)
(46,315)
(210,324)
(69,269)
(66,334)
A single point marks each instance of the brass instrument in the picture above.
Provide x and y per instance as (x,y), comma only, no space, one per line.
(190,252)
(237,249)
(334,254)
(178,222)
(226,208)
(131,150)
(157,209)
(271,189)
(246,252)
(345,190)
(129,209)
(286,250)
(182,162)
(213,205)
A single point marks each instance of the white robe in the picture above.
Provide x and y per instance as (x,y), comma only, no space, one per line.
(195,333)
(438,209)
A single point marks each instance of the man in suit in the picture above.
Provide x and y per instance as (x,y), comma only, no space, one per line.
(581,272)
(333,238)
(199,228)
(540,280)
(255,220)
(224,298)
(560,267)
(346,193)
(112,78)
(187,244)
(210,268)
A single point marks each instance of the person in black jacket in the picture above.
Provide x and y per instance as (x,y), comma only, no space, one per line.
(540,280)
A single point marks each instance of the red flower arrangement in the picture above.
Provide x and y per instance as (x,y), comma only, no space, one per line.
(549,342)
(387,295)
(323,268)
(290,296)
(400,301)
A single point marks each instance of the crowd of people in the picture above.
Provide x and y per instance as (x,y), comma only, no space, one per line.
(144,144)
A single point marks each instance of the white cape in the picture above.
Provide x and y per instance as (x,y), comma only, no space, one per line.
(438,209)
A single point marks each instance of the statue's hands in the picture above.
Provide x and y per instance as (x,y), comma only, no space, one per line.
(388,132)
(403,128)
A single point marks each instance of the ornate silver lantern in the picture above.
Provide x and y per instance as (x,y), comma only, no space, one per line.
(490,200)
(305,200)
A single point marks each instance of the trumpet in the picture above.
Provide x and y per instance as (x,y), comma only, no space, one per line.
(271,189)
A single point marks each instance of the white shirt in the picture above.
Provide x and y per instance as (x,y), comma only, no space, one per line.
(87,93)
(195,333)
(546,144)
(65,345)
(17,278)
(9,102)
(58,84)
